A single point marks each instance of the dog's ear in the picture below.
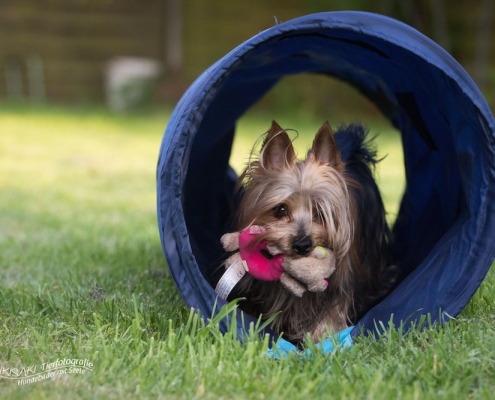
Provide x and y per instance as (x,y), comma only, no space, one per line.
(325,148)
(277,151)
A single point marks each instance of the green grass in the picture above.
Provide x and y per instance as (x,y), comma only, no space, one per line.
(82,275)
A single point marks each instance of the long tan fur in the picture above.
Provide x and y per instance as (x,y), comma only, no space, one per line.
(301,199)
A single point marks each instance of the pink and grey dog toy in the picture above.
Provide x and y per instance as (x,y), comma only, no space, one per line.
(267,263)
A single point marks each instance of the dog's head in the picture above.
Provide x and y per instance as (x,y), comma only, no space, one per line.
(302,204)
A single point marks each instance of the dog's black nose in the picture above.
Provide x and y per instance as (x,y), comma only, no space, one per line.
(302,245)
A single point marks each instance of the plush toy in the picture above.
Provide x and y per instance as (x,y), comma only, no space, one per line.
(267,263)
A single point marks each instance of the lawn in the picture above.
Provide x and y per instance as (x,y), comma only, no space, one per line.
(82,277)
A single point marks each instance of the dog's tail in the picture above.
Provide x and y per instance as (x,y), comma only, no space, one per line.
(356,145)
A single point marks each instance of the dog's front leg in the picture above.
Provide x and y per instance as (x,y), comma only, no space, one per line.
(335,320)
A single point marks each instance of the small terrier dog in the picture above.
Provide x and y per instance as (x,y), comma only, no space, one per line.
(320,201)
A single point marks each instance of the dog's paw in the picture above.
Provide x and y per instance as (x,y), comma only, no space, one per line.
(334,321)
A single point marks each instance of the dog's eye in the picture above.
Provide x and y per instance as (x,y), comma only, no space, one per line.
(281,211)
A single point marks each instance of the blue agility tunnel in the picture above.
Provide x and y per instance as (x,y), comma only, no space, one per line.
(445,230)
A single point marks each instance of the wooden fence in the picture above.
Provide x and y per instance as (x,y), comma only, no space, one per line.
(58,49)
(69,42)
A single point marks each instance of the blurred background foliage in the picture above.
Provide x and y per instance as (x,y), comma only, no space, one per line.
(66,51)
